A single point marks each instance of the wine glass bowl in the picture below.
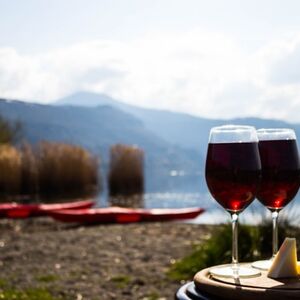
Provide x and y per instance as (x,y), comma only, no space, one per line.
(280,167)
(280,176)
(232,174)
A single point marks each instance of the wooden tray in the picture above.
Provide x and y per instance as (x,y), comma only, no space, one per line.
(257,288)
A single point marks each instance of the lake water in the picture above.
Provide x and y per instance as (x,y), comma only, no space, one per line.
(214,213)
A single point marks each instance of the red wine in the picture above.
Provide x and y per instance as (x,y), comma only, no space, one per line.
(280,173)
(233,173)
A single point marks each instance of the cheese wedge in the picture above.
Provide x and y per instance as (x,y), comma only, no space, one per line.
(285,262)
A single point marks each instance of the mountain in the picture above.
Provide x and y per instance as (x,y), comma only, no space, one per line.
(97,128)
(170,126)
(188,131)
(88,99)
(174,143)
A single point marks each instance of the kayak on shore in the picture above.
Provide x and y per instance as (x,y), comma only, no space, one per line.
(20,211)
(124,215)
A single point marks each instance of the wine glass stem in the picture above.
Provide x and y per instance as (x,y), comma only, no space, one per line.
(234,221)
(275,232)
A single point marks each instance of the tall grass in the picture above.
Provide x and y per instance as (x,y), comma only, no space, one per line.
(126,170)
(65,169)
(48,169)
(10,170)
(29,170)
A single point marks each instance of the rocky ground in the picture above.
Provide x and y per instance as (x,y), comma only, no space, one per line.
(96,262)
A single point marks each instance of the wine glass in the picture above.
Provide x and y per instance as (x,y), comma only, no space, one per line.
(232,174)
(280,177)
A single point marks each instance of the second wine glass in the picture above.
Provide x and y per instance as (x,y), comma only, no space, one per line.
(280,176)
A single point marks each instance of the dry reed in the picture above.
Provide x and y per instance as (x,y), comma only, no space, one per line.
(126,170)
(65,169)
(49,169)
(10,170)
(29,170)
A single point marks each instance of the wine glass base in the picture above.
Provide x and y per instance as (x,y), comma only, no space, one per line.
(263,265)
(232,271)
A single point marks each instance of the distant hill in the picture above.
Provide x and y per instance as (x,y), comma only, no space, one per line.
(88,99)
(176,128)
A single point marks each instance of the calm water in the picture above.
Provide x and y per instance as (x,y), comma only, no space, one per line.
(214,213)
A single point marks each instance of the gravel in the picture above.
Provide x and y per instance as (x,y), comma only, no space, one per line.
(95,262)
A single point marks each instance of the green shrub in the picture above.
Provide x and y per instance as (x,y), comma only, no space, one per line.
(255,242)
(10,132)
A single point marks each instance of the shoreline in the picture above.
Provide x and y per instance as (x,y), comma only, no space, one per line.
(95,262)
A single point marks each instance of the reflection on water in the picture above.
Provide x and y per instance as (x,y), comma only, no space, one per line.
(135,201)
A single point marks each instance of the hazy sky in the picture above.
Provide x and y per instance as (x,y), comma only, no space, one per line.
(212,58)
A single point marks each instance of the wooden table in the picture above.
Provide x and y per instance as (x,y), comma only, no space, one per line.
(206,287)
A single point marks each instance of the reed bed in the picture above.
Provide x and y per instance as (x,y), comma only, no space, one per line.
(48,169)
(65,169)
(10,170)
(29,170)
(126,170)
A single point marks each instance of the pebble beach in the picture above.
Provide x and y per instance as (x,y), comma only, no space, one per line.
(95,262)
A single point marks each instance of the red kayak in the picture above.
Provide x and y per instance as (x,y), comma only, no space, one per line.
(15,211)
(124,215)
(5,207)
